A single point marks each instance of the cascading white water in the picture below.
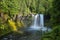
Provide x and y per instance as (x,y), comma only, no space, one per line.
(35,25)
(42,23)
(41,20)
(35,21)
(43,28)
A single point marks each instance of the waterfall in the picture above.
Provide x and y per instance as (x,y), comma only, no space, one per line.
(41,20)
(35,26)
(42,23)
(35,23)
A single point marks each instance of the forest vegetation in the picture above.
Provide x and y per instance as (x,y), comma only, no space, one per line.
(16,14)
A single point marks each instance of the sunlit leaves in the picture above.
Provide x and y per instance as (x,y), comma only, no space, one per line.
(12,25)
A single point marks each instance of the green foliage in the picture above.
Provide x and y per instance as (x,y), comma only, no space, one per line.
(4,28)
(54,34)
(25,7)
(11,6)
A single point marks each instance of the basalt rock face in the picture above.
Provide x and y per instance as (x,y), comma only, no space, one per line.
(47,18)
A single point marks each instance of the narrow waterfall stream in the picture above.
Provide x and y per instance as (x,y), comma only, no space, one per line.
(35,25)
